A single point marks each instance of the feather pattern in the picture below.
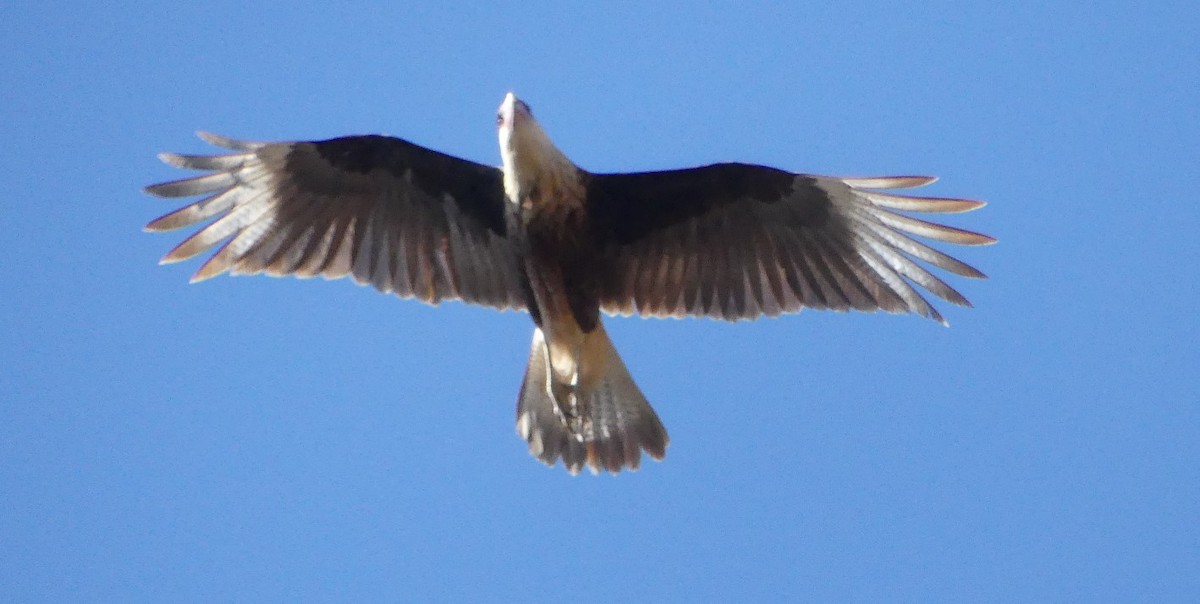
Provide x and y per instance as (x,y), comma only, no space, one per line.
(728,241)
(755,241)
(401,218)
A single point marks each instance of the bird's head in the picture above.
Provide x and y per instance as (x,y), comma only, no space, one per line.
(525,148)
(520,134)
(511,112)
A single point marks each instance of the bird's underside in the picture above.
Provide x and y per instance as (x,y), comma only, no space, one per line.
(729,241)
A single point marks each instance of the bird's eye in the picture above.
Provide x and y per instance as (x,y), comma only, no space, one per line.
(499,119)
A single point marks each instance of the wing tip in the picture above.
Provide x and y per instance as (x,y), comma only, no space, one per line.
(162,224)
(889,182)
(157,190)
(210,138)
(172,159)
(980,239)
(227,142)
(208,271)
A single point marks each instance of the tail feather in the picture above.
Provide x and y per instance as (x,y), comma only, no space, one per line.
(618,424)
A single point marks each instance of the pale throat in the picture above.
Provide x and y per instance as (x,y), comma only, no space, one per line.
(535,168)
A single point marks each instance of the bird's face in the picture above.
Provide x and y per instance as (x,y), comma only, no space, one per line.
(511,108)
(523,144)
(531,161)
(512,119)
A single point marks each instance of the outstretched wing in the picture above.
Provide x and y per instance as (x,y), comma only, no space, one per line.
(737,241)
(405,219)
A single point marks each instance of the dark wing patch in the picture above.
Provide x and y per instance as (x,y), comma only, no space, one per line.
(405,219)
(738,241)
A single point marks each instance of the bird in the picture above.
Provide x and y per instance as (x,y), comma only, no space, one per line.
(730,241)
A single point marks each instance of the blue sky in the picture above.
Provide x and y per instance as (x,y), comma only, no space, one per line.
(266,439)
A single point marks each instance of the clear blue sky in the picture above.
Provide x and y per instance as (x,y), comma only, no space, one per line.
(279,440)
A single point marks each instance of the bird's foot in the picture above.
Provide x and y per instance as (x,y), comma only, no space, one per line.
(569,410)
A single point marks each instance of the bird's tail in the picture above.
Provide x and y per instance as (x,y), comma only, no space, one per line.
(614,423)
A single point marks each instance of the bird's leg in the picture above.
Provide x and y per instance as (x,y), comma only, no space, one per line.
(564,346)
(565,392)
(566,405)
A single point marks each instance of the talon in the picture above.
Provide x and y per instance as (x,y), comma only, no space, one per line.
(568,409)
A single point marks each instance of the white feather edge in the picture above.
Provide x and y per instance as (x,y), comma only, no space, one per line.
(888,182)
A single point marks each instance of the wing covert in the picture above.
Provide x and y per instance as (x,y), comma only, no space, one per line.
(738,241)
(405,219)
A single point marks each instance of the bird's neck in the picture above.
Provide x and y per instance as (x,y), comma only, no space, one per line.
(535,171)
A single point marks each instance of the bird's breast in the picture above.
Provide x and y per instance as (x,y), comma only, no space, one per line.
(559,258)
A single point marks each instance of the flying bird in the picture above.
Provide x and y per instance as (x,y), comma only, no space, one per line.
(729,241)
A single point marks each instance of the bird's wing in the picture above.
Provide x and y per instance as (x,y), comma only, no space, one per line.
(405,219)
(737,241)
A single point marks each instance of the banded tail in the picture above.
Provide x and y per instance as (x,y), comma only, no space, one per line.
(615,425)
